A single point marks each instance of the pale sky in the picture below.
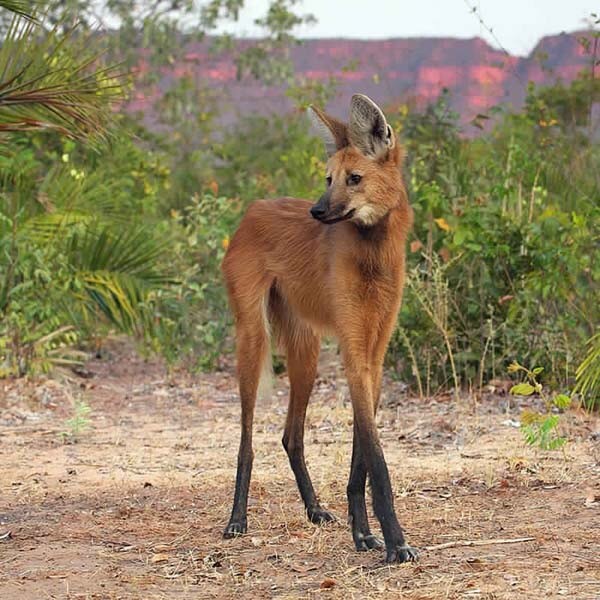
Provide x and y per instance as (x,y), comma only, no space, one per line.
(518,24)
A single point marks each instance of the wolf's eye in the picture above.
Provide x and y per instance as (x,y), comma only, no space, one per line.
(328,180)
(354,179)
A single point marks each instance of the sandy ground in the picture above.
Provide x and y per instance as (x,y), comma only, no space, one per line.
(134,508)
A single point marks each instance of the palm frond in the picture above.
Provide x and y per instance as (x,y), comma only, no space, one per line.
(67,196)
(588,374)
(50,80)
(133,251)
(115,273)
(97,193)
(23,8)
(54,350)
(118,296)
(46,227)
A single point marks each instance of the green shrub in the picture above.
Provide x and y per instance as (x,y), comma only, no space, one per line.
(509,220)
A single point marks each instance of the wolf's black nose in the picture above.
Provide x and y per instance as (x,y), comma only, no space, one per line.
(317,211)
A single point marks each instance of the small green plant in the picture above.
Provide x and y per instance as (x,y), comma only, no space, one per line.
(78,423)
(539,429)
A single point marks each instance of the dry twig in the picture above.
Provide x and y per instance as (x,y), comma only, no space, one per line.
(492,542)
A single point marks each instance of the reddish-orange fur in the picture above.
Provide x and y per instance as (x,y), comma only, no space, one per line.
(292,275)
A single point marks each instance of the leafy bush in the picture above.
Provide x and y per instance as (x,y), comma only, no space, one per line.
(508,219)
(80,256)
(193,319)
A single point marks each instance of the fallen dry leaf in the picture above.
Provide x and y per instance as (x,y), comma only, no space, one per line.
(300,534)
(158,558)
(304,568)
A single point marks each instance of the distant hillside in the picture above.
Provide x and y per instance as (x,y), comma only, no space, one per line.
(390,71)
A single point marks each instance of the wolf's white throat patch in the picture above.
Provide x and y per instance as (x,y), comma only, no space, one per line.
(367,214)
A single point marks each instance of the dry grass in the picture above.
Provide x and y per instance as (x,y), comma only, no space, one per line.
(135,508)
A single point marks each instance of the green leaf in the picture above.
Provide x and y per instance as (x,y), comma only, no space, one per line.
(549,423)
(460,236)
(556,443)
(538,370)
(562,401)
(522,389)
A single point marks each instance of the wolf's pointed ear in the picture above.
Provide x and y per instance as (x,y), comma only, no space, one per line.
(333,132)
(368,130)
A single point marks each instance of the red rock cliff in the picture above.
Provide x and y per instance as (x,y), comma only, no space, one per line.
(391,71)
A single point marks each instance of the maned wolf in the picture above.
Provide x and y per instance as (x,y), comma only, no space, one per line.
(295,271)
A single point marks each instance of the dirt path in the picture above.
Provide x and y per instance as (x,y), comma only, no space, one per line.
(135,508)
